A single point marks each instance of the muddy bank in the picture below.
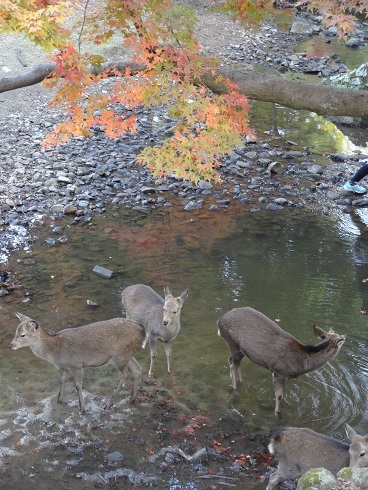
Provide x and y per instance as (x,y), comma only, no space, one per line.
(162,441)
(84,177)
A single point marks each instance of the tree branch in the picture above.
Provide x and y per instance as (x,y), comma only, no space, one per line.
(321,99)
(39,72)
(318,98)
(35,75)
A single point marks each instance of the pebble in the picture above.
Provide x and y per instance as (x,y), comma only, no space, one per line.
(114,457)
(101,271)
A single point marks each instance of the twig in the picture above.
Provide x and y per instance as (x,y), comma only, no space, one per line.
(83,24)
(236,411)
(20,58)
(220,477)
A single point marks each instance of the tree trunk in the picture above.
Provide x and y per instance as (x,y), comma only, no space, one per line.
(321,99)
(318,98)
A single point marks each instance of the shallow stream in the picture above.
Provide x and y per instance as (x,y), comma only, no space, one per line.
(297,267)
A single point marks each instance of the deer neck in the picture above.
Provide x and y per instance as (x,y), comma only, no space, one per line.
(317,355)
(44,346)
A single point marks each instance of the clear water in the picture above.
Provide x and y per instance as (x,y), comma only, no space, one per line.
(297,267)
(317,47)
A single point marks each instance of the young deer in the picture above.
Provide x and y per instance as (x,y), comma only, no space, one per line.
(248,332)
(160,317)
(73,349)
(299,450)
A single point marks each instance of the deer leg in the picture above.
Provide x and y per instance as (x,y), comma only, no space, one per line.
(278,384)
(136,370)
(232,373)
(274,481)
(146,336)
(124,373)
(78,381)
(167,347)
(152,341)
(235,372)
(286,470)
(64,376)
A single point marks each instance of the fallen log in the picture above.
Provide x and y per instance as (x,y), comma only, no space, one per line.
(321,99)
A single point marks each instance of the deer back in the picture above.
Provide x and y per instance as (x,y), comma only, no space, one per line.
(89,345)
(97,342)
(300,449)
(260,338)
(143,305)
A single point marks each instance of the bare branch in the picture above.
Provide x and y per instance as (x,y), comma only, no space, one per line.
(39,72)
(321,99)
(318,98)
(83,24)
(35,75)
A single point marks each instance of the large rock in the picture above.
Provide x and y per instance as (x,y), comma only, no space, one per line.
(357,476)
(355,79)
(301,27)
(321,479)
(316,479)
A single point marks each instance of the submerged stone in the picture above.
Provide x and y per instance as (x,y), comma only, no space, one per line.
(114,457)
(101,271)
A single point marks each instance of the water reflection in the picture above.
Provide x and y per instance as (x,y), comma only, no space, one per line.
(317,47)
(308,129)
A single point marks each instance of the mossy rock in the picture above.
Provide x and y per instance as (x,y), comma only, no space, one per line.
(358,476)
(316,479)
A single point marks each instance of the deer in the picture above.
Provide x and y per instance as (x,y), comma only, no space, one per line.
(93,345)
(159,316)
(250,333)
(300,449)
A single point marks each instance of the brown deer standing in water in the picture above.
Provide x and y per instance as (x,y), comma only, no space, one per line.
(248,332)
(73,349)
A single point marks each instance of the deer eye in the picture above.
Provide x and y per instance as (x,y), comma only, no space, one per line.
(22,334)
(362,454)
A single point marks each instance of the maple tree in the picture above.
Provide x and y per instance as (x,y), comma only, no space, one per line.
(159,36)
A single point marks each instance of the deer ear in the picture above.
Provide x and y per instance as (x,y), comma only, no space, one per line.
(167,290)
(32,325)
(349,431)
(21,317)
(319,333)
(184,295)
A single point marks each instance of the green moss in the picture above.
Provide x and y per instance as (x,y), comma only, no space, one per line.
(311,477)
(346,473)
